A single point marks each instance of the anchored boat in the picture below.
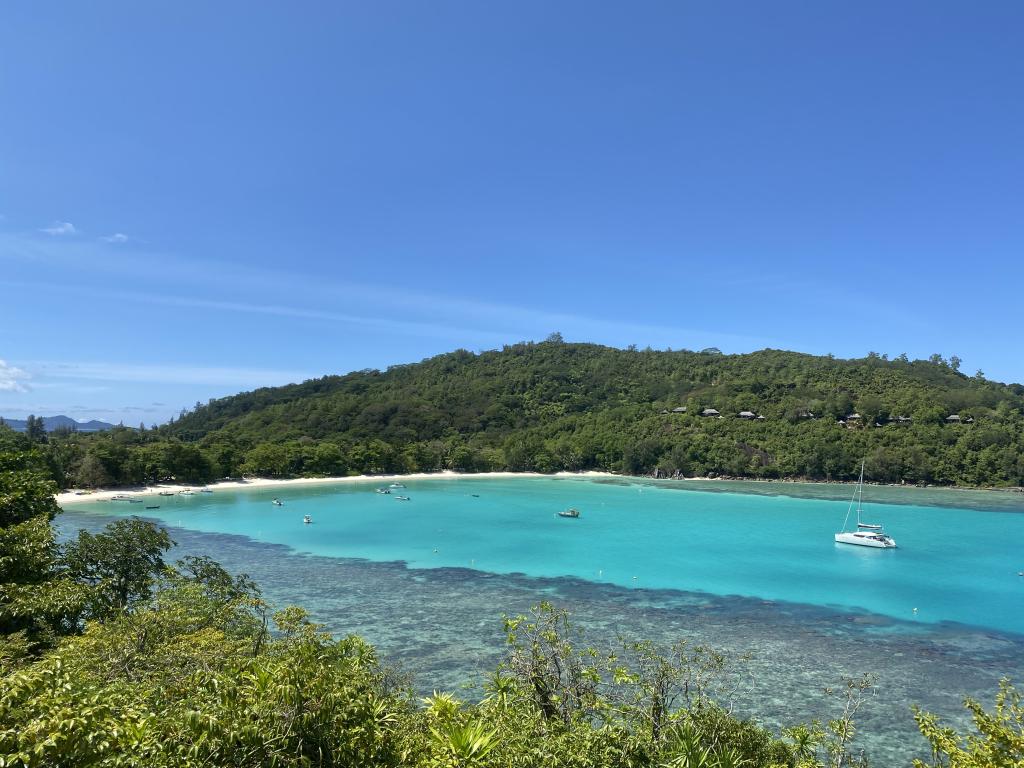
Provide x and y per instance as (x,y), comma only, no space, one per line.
(865,534)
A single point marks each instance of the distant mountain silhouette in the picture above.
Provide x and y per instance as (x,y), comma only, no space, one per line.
(57,422)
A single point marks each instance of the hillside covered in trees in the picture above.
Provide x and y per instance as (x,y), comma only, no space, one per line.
(559,406)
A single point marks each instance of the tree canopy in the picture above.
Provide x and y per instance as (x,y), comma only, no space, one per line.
(558,406)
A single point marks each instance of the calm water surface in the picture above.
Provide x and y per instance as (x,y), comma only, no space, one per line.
(747,567)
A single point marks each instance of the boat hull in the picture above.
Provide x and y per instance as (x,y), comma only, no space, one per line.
(865,539)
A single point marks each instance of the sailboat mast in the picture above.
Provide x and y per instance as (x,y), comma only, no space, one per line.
(860,491)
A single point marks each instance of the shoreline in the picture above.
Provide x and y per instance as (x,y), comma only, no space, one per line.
(104,494)
(811,481)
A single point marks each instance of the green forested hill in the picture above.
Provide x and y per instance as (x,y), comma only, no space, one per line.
(553,405)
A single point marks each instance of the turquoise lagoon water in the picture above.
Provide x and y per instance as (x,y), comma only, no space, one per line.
(952,564)
(744,567)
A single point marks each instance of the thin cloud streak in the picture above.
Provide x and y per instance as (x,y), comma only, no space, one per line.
(483,322)
(403,326)
(410,327)
(173,374)
(479,322)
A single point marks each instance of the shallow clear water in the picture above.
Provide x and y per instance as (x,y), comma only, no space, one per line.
(427,580)
(952,564)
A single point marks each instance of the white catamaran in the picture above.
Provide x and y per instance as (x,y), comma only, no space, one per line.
(865,534)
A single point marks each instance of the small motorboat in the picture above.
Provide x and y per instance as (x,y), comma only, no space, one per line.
(206,490)
(166,493)
(396,485)
(402,498)
(120,497)
(134,501)
(277,503)
(307,519)
(572,513)
(383,490)
(152,506)
(186,492)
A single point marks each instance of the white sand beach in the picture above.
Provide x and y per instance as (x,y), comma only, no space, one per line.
(103,494)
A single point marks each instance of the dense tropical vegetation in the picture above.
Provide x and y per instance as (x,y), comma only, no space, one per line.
(558,406)
(110,656)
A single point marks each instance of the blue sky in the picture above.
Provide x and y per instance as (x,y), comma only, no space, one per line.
(203,198)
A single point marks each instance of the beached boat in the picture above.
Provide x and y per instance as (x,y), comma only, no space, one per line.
(120,497)
(307,519)
(865,534)
(206,490)
(166,493)
(571,513)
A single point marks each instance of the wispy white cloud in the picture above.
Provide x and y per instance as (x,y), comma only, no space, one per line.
(60,228)
(114,414)
(165,374)
(80,388)
(410,327)
(421,328)
(409,312)
(117,237)
(12,379)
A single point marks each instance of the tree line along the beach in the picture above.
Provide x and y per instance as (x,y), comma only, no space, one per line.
(554,406)
(112,656)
